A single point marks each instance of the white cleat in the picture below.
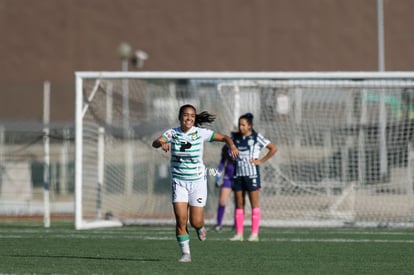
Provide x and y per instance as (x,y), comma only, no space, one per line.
(202,234)
(185,258)
(237,237)
(253,238)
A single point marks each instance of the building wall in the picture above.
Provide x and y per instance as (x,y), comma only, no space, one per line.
(50,40)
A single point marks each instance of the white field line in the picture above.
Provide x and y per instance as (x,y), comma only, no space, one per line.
(171,236)
(170,229)
(335,240)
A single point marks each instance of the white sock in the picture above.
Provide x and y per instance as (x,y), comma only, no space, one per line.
(184,243)
(185,247)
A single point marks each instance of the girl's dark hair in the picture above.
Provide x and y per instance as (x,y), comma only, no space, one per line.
(249,118)
(201,118)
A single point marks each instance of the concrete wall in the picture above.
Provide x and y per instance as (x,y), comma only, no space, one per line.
(50,40)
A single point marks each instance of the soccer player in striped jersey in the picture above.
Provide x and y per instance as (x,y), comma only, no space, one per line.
(188,173)
(247,174)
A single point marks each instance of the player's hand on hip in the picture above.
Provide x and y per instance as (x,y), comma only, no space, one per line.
(256,161)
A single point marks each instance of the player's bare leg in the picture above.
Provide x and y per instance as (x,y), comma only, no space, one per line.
(197,221)
(183,238)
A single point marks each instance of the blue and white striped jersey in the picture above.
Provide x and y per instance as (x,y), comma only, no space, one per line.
(249,148)
(187,152)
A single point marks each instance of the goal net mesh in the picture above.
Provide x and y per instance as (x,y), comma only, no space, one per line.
(345,146)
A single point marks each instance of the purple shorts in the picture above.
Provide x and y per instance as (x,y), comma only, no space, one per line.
(226,183)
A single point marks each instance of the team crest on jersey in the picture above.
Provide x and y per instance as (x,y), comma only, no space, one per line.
(250,142)
(193,135)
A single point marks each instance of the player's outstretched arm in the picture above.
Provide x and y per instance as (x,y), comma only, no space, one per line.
(229,141)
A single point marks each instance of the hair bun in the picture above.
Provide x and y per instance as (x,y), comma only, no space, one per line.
(248,115)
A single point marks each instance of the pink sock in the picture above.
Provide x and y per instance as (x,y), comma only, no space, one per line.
(256,213)
(239,221)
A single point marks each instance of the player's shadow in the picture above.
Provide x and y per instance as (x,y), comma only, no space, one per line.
(88,258)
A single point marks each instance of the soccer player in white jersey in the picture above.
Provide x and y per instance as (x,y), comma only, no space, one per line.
(247,174)
(188,173)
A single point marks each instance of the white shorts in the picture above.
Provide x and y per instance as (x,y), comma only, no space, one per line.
(193,192)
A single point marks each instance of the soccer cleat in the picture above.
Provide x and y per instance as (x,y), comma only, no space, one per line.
(185,258)
(237,237)
(218,228)
(202,234)
(253,238)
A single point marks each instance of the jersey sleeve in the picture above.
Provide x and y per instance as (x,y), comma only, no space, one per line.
(167,135)
(212,136)
(206,134)
(262,141)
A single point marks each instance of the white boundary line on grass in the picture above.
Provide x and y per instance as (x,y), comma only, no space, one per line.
(163,237)
(335,240)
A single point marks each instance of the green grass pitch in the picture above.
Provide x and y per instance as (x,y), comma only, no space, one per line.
(31,249)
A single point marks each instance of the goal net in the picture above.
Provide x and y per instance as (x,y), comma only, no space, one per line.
(345,144)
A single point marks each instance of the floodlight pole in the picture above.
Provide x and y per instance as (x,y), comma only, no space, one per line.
(124,51)
(46,166)
(380,31)
(382,107)
(125,55)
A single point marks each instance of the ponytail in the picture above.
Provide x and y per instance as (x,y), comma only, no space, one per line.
(204,117)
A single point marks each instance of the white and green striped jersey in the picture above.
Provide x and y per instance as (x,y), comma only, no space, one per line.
(187,152)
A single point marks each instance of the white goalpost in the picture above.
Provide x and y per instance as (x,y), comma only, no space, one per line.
(345,144)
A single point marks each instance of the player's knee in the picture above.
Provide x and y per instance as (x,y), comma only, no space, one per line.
(196,222)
